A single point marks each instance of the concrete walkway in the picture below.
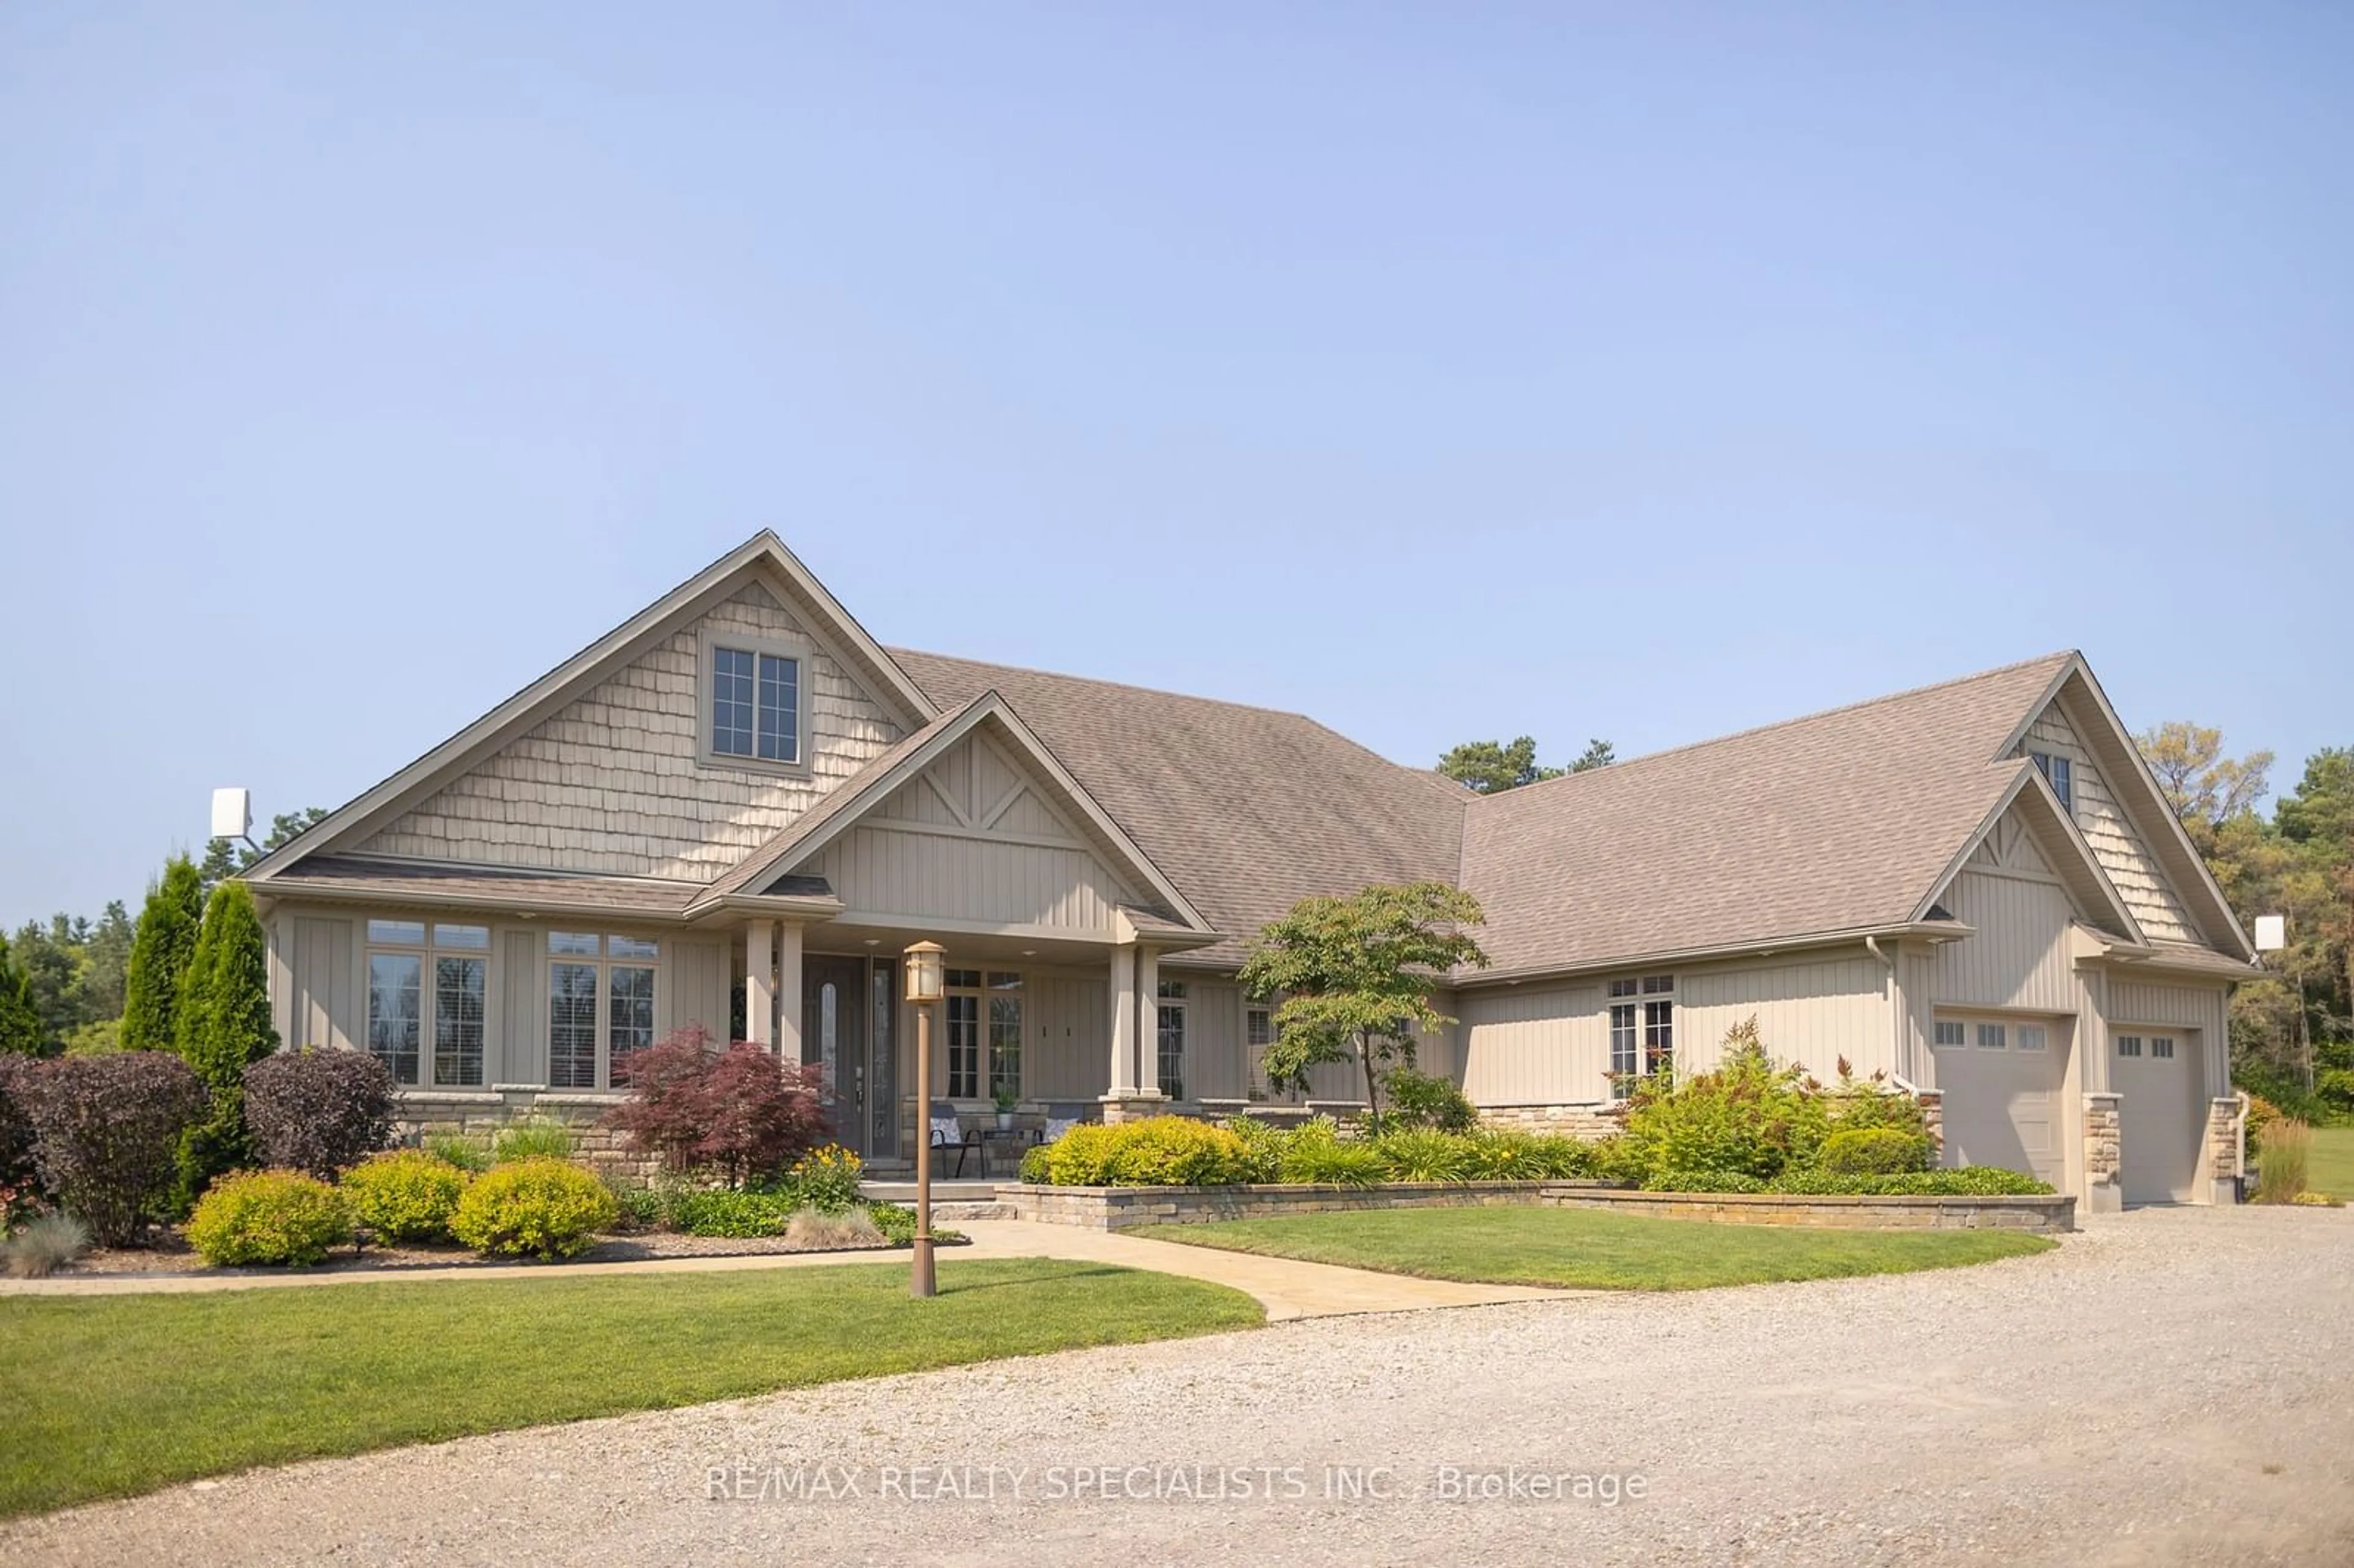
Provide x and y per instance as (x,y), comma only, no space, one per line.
(1287,1289)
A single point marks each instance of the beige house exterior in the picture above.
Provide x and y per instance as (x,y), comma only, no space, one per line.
(736,810)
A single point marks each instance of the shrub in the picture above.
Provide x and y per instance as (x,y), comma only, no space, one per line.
(1502,1154)
(733,1212)
(268,1216)
(408,1195)
(1879,1150)
(1747,1118)
(1972,1181)
(318,1110)
(827,1179)
(537,1138)
(1035,1165)
(1425,1101)
(897,1224)
(15,1126)
(1175,1151)
(2317,1200)
(1263,1146)
(2282,1173)
(42,1245)
(221,1026)
(457,1148)
(539,1207)
(742,1112)
(817,1230)
(1332,1164)
(1866,1106)
(1423,1155)
(107,1134)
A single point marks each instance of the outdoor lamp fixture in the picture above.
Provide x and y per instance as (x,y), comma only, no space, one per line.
(923,989)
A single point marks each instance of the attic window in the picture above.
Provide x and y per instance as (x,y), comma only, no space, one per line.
(756,705)
(2059,774)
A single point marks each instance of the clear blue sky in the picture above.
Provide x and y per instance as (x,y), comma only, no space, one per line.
(1443,372)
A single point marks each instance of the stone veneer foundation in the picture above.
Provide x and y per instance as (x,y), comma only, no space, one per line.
(1589,1122)
(479,1114)
(2224,1168)
(2104,1191)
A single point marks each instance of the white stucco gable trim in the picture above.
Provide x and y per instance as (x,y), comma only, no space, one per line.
(762,558)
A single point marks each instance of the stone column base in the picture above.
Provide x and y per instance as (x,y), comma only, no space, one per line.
(1132,1106)
(2103,1154)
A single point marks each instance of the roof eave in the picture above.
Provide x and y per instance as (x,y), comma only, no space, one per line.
(1751,947)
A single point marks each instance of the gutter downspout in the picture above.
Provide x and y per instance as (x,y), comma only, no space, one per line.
(1896,1017)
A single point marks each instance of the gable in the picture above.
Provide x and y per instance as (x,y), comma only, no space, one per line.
(2119,846)
(976,837)
(612,781)
(2010,847)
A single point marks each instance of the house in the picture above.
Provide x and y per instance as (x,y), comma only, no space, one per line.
(738,809)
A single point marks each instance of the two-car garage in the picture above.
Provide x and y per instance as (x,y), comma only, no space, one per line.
(2005,1085)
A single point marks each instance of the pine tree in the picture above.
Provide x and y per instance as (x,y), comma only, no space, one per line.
(20,1017)
(223,1022)
(160,951)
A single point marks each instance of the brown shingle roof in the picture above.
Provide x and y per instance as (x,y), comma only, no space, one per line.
(1826,823)
(344,876)
(1246,810)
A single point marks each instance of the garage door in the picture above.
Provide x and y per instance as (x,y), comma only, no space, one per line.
(2156,1073)
(2002,1078)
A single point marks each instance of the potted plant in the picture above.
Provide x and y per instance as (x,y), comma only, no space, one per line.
(1006,1100)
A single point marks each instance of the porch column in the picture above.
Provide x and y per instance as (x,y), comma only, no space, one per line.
(759,995)
(1148,1022)
(1122,1084)
(788,992)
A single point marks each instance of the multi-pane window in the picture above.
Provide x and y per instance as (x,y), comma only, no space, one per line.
(2059,773)
(1994,1037)
(756,705)
(428,983)
(963,1015)
(2128,1045)
(1169,1038)
(1004,1034)
(1642,1033)
(2161,1047)
(1951,1032)
(601,992)
(1259,1033)
(2032,1037)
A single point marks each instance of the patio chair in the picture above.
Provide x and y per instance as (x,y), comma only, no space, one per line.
(949,1133)
(1064,1115)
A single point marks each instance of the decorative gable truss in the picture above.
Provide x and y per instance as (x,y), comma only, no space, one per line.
(2123,819)
(2027,837)
(971,823)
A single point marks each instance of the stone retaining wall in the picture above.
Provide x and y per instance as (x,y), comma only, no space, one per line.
(1118,1207)
(479,1114)
(2046,1215)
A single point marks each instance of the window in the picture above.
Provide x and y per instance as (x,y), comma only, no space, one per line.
(1622,988)
(2128,1045)
(963,1008)
(1993,1037)
(435,992)
(1004,1034)
(756,705)
(1658,1036)
(2161,1047)
(1169,1038)
(601,990)
(2030,1037)
(1625,1060)
(2059,773)
(1951,1032)
(1259,1027)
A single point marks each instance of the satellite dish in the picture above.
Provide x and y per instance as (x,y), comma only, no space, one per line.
(2272,933)
(232,813)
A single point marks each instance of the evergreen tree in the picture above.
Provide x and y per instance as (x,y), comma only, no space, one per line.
(160,951)
(223,1024)
(20,1019)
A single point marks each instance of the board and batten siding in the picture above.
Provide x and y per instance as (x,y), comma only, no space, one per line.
(612,782)
(971,838)
(2206,1009)
(2020,955)
(2120,850)
(1810,1010)
(1535,1045)
(320,1004)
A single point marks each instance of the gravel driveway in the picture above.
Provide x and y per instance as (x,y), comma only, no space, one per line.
(2168,1387)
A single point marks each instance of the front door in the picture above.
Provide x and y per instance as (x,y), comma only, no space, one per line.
(835,1006)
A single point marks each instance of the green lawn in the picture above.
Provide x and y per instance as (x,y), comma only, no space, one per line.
(1578,1247)
(2331,1168)
(105,1395)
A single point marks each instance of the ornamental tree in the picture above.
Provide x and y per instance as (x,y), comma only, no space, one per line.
(160,952)
(1356,976)
(223,1027)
